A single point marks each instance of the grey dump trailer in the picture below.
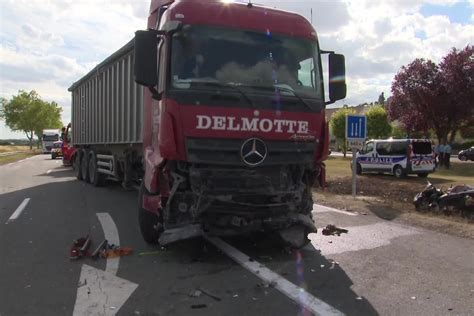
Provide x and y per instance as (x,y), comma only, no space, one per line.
(107,116)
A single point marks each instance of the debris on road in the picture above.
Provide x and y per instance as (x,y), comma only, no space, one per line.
(198,306)
(79,247)
(211,295)
(332,230)
(195,293)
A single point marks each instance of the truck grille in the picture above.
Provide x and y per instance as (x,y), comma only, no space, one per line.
(227,152)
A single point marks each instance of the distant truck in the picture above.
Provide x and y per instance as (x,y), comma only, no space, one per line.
(48,138)
(225,132)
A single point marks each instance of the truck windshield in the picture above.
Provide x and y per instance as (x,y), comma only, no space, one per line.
(50,138)
(262,62)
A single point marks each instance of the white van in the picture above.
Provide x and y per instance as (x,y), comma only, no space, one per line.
(397,156)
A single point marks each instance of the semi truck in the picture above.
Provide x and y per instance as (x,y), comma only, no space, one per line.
(216,114)
(48,138)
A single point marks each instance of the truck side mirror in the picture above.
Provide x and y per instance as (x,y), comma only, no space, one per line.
(145,61)
(337,77)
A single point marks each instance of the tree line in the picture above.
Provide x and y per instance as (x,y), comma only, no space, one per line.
(28,113)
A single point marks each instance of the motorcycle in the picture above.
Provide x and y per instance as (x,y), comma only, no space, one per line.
(459,197)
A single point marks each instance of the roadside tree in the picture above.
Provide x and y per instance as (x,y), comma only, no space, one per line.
(427,96)
(26,112)
(378,125)
(338,126)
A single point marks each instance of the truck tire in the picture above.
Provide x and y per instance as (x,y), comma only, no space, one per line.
(85,165)
(147,220)
(95,177)
(77,165)
(398,172)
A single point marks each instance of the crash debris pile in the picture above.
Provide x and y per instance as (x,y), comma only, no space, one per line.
(81,248)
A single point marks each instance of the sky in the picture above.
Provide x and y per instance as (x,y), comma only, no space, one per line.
(46,45)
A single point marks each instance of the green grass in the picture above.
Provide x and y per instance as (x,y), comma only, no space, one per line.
(15,157)
(459,173)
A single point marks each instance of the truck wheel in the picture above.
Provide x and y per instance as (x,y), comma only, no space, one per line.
(77,165)
(398,172)
(85,165)
(359,169)
(147,220)
(95,177)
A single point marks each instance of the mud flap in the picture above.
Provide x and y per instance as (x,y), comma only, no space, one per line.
(176,234)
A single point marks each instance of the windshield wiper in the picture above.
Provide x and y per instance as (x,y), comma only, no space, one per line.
(280,88)
(219,84)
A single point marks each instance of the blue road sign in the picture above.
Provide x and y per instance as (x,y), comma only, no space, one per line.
(356,127)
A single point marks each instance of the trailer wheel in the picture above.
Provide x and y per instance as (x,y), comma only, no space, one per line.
(95,177)
(147,220)
(77,165)
(85,165)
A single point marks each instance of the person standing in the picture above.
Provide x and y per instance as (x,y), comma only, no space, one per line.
(436,155)
(441,153)
(447,155)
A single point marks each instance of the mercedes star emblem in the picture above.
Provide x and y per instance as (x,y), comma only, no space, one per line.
(253,151)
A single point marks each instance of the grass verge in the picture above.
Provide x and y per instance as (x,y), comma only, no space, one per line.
(15,157)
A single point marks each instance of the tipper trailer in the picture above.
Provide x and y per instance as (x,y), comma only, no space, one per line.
(225,132)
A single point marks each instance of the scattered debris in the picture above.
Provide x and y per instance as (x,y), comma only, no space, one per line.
(413,297)
(150,253)
(80,248)
(333,230)
(112,307)
(235,295)
(195,293)
(312,270)
(198,306)
(359,298)
(211,295)
(322,266)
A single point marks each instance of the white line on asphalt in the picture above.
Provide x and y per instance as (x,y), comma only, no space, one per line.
(112,236)
(321,208)
(18,211)
(295,293)
(49,171)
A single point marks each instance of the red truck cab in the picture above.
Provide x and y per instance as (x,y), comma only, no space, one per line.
(235,132)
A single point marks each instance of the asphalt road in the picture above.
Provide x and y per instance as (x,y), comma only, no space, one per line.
(379,267)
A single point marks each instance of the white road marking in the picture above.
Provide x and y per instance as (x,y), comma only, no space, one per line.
(18,211)
(321,209)
(112,236)
(360,238)
(295,293)
(101,292)
(49,171)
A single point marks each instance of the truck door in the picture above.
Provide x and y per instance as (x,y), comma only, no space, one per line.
(365,157)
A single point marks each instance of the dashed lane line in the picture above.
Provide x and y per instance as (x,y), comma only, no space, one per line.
(19,210)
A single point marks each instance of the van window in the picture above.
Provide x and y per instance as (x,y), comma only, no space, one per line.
(383,148)
(422,148)
(369,148)
(399,148)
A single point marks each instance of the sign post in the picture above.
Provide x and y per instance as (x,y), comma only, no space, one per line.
(356,133)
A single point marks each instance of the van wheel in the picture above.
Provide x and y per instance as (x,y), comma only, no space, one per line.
(359,169)
(77,165)
(463,158)
(148,222)
(95,177)
(85,165)
(398,172)
(422,175)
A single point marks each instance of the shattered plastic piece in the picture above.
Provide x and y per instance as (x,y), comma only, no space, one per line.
(235,295)
(211,295)
(322,266)
(312,270)
(359,298)
(413,297)
(112,307)
(195,293)
(333,230)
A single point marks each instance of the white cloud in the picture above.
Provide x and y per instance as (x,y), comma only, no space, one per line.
(46,45)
